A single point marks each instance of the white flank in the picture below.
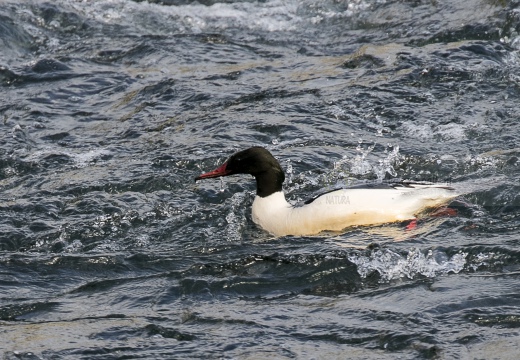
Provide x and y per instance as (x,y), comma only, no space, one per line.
(340,209)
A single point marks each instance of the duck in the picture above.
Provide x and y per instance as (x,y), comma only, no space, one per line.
(332,211)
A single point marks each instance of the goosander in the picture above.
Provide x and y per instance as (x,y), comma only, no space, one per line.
(331,211)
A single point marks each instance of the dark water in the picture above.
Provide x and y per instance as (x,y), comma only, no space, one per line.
(109,109)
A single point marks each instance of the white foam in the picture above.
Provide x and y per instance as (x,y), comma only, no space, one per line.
(274,15)
(419,131)
(447,132)
(87,158)
(81,159)
(392,266)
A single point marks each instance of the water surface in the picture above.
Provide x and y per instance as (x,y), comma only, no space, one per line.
(109,249)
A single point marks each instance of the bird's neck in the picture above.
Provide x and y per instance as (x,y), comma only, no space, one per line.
(269,182)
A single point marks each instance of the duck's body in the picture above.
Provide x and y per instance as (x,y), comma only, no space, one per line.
(332,211)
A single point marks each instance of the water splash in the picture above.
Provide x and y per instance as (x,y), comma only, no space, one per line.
(289,172)
(222,184)
(275,15)
(236,217)
(386,165)
(446,132)
(392,265)
(381,127)
(361,165)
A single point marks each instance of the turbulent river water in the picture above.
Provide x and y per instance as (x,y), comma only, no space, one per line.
(110,108)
